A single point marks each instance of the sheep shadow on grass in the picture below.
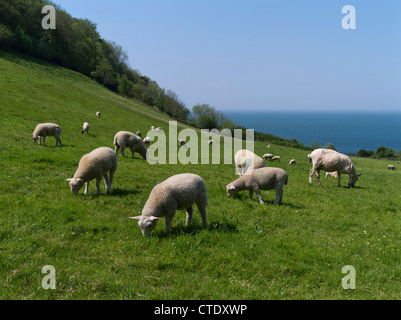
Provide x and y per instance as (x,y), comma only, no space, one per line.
(122,192)
(195,228)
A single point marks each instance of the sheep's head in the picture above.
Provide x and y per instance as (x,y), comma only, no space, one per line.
(353,180)
(75,184)
(230,190)
(35,137)
(146,223)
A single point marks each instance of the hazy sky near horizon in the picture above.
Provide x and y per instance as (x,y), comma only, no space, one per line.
(259,54)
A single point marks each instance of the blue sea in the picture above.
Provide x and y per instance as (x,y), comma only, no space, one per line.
(348,131)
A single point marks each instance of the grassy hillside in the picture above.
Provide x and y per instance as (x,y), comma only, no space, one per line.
(248,251)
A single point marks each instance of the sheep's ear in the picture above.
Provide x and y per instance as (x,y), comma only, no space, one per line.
(68,180)
(152,218)
(136,218)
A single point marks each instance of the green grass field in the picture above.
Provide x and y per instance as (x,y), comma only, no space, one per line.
(248,251)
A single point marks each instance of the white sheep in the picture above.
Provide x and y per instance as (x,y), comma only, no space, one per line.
(98,114)
(95,165)
(85,128)
(152,128)
(260,179)
(210,142)
(293,161)
(178,192)
(267,156)
(331,174)
(158,129)
(246,161)
(391,167)
(43,130)
(276,158)
(146,141)
(124,139)
(330,161)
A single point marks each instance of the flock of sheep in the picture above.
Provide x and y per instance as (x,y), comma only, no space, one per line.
(182,191)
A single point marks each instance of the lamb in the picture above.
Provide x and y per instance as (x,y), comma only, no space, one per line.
(293,161)
(276,158)
(260,179)
(210,142)
(146,141)
(267,156)
(158,129)
(178,192)
(98,114)
(391,167)
(95,165)
(330,161)
(124,139)
(332,174)
(85,128)
(246,161)
(139,134)
(182,142)
(43,130)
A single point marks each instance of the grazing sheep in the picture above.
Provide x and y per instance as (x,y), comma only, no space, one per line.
(330,160)
(293,161)
(85,128)
(95,165)
(178,192)
(276,158)
(268,147)
(246,161)
(332,174)
(210,142)
(124,139)
(398,162)
(139,134)
(391,167)
(43,130)
(153,128)
(158,129)
(98,114)
(146,141)
(267,156)
(182,142)
(261,179)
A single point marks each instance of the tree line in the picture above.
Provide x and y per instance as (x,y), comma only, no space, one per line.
(76,44)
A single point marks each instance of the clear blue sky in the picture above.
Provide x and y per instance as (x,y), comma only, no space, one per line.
(261,55)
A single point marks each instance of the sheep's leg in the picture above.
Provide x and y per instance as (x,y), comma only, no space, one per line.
(311,174)
(59,140)
(98,185)
(122,151)
(258,193)
(106,182)
(169,219)
(86,187)
(250,194)
(279,196)
(202,210)
(133,153)
(318,178)
(44,143)
(189,212)
(116,148)
(339,178)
